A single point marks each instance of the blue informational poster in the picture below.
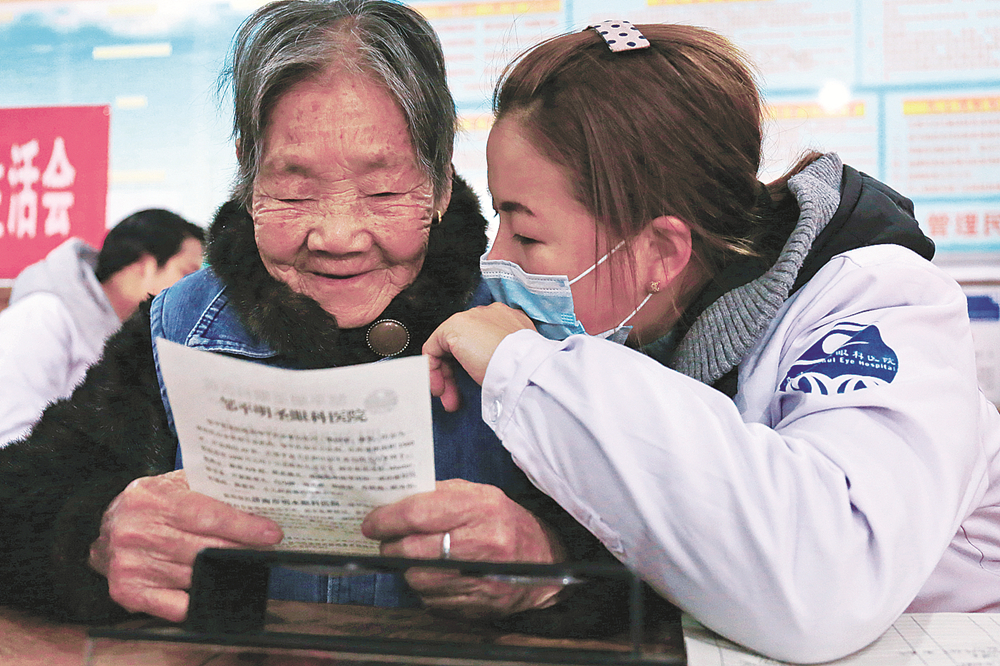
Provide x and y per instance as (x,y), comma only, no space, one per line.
(984,313)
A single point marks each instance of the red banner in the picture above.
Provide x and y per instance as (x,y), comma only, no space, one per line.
(53,180)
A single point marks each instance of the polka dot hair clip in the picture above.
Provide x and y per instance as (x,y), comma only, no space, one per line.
(620,35)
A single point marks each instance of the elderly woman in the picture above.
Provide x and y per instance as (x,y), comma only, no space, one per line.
(348,240)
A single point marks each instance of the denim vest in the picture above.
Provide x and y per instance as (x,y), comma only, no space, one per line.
(196,312)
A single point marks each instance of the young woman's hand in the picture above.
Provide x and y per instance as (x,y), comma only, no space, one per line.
(469,338)
(482,524)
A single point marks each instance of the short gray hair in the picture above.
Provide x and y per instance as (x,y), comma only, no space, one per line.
(289,41)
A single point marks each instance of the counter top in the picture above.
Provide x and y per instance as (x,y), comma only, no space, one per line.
(27,640)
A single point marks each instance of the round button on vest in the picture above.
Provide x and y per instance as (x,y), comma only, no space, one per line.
(388,337)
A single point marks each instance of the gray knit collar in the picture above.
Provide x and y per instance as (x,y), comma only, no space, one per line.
(727,330)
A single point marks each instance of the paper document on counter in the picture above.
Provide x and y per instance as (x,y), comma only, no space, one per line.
(915,639)
(314,450)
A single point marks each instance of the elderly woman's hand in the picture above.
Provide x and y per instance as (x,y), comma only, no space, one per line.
(151,533)
(470,338)
(483,524)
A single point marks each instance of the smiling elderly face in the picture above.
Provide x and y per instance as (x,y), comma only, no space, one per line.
(341,209)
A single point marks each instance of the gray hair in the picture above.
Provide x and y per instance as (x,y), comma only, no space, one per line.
(289,41)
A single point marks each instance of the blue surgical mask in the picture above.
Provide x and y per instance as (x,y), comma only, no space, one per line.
(546,299)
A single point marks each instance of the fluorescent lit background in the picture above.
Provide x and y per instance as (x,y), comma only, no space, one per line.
(906,90)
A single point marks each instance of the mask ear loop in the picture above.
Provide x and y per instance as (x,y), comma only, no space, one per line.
(599,262)
(634,312)
(654,287)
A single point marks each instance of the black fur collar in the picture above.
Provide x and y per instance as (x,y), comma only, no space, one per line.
(304,334)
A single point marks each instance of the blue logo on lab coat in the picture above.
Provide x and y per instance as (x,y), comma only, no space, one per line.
(848,358)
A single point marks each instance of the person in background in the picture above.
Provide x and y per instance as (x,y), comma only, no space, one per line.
(791,444)
(64,307)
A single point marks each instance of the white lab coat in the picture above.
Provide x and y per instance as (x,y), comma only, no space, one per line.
(798,524)
(53,330)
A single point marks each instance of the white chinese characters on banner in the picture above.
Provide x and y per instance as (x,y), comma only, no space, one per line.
(53,181)
(23,176)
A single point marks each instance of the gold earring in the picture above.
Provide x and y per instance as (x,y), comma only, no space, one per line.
(437,217)
(654,287)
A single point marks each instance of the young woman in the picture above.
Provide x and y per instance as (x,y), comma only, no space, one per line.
(790,444)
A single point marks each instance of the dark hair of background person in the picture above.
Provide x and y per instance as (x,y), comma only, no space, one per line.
(673,129)
(154,231)
(291,41)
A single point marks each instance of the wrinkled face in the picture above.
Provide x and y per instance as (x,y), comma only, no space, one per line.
(544,229)
(187,260)
(341,210)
